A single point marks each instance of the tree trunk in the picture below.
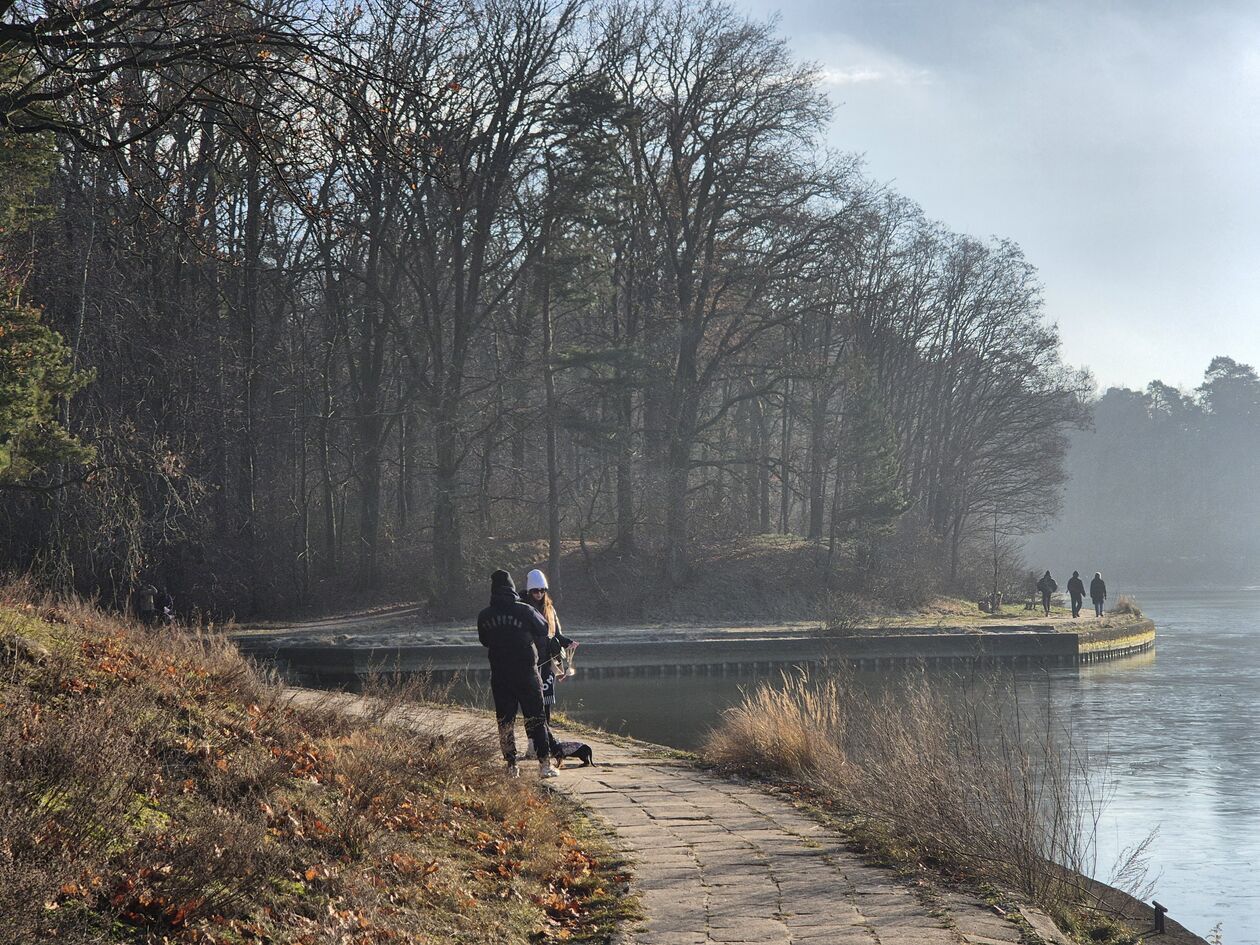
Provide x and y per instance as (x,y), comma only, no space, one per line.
(677,482)
(406,488)
(549,424)
(448,549)
(785,459)
(817,462)
(247,498)
(746,421)
(369,428)
(763,467)
(326,474)
(677,564)
(624,400)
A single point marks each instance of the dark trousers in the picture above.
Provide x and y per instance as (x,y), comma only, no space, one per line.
(552,745)
(1098,607)
(1045,602)
(548,701)
(1076,605)
(523,693)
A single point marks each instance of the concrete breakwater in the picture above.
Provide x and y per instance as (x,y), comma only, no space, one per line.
(603,654)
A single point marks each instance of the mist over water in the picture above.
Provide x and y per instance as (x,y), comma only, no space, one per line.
(1177,732)
(1161,490)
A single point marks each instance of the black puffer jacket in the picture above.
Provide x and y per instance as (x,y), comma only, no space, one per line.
(514,633)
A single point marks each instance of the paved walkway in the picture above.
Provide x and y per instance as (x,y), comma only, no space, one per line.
(719,861)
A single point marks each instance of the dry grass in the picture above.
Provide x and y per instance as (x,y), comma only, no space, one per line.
(154,789)
(965,781)
(1127,605)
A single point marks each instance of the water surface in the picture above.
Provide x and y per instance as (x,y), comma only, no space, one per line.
(1179,730)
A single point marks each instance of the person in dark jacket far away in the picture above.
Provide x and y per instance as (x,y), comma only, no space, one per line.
(146,604)
(538,596)
(514,634)
(1076,588)
(1098,592)
(1047,585)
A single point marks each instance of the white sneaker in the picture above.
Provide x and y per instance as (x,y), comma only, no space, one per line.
(512,770)
(546,771)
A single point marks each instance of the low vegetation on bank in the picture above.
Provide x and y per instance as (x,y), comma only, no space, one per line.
(959,781)
(154,789)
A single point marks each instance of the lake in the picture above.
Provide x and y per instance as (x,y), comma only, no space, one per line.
(1180,730)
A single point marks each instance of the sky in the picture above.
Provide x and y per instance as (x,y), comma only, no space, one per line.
(1117,141)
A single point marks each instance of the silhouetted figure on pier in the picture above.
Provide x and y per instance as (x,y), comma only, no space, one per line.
(1098,592)
(1047,585)
(1076,590)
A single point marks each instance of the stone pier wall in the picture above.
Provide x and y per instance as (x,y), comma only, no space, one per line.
(338,664)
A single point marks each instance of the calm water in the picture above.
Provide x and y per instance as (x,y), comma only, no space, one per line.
(1180,729)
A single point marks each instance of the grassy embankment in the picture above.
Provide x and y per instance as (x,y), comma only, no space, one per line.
(962,785)
(954,614)
(154,789)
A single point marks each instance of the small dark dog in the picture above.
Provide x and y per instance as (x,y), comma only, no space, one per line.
(579,750)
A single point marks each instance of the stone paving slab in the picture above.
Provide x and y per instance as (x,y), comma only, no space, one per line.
(719,861)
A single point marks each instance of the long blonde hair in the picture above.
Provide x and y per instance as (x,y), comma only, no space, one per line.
(549,611)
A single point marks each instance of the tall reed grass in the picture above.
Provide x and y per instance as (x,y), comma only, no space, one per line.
(961,777)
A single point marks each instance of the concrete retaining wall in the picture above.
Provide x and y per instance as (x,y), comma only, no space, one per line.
(333,664)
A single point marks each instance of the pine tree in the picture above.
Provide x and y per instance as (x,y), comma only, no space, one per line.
(873,499)
(35,363)
(34,373)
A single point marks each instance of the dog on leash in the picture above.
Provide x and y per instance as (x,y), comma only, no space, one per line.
(578,750)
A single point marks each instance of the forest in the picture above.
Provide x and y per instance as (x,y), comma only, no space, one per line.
(1161,489)
(303,303)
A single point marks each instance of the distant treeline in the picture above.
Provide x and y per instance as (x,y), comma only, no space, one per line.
(403,278)
(1163,489)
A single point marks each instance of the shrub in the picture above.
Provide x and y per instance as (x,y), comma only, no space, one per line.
(1127,605)
(796,729)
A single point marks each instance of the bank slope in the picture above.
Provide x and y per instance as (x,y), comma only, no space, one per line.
(154,789)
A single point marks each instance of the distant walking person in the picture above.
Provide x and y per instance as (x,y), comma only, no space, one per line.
(514,634)
(1047,585)
(146,599)
(538,596)
(1076,589)
(1098,592)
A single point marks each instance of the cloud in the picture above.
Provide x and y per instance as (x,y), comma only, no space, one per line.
(867,75)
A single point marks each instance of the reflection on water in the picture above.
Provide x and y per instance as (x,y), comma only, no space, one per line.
(1179,727)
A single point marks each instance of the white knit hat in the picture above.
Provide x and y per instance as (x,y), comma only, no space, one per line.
(535,580)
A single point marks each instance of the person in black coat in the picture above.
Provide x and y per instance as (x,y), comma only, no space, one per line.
(514,633)
(1076,589)
(1047,585)
(1098,592)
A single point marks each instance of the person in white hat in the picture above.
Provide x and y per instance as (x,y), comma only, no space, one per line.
(538,595)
